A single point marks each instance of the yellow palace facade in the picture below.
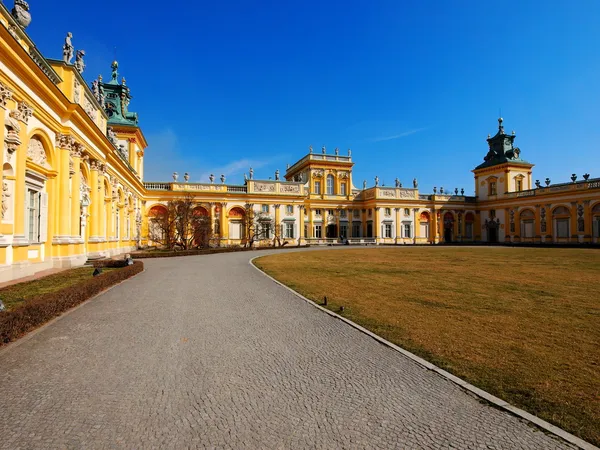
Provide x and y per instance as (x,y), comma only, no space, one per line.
(73,181)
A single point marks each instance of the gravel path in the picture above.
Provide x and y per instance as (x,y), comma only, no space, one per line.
(207,352)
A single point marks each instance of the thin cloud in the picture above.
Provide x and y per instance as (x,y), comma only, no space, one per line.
(233,169)
(397,136)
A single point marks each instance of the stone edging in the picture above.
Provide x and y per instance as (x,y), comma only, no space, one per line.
(5,348)
(572,439)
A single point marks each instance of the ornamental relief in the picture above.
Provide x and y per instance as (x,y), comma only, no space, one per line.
(36,152)
(5,95)
(289,188)
(264,187)
(387,193)
(406,193)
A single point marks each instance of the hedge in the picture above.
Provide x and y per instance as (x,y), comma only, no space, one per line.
(40,309)
(206,251)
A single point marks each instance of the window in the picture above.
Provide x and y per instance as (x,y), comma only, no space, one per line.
(343,213)
(356,230)
(469,230)
(527,228)
(289,230)
(265,208)
(562,228)
(266,230)
(317,187)
(317,212)
(492,188)
(356,213)
(406,212)
(370,213)
(330,181)
(305,212)
(596,227)
(343,231)
(388,212)
(331,212)
(387,231)
(33,206)
(306,231)
(519,184)
(317,231)
(289,209)
(407,233)
(343,188)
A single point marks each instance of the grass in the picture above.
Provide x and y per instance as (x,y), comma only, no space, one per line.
(520,323)
(17,294)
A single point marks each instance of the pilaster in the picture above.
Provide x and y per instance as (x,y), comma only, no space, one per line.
(398,226)
(416,226)
(94,194)
(224,222)
(546,216)
(376,225)
(76,151)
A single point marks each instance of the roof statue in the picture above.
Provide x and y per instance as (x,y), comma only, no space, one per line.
(21,13)
(415,183)
(68,49)
(79,65)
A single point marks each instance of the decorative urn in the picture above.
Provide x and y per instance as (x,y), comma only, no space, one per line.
(21,13)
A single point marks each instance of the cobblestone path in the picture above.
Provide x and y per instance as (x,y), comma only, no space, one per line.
(207,352)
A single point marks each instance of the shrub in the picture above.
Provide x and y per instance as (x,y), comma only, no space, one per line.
(40,309)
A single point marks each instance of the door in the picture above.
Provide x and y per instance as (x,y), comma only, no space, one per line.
(448,234)
(493,235)
(369,230)
(330,231)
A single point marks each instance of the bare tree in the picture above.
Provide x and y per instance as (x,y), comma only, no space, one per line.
(181,225)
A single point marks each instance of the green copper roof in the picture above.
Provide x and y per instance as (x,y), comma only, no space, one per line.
(117,98)
(502,149)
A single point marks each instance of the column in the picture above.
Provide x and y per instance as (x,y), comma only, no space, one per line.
(376,225)
(433,226)
(75,188)
(278,231)
(212,218)
(21,116)
(364,222)
(301,224)
(517,218)
(64,180)
(587,217)
(538,224)
(546,214)
(477,226)
(337,222)
(416,226)
(224,222)
(94,198)
(101,220)
(573,223)
(398,226)
(311,231)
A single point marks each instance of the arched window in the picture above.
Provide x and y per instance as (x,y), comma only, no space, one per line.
(469,219)
(562,218)
(330,185)
(596,221)
(527,223)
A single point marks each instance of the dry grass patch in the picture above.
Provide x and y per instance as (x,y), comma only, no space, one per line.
(521,323)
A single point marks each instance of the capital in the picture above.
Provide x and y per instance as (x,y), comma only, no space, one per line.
(5,95)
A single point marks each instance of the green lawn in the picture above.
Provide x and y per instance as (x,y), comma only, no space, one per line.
(14,295)
(521,323)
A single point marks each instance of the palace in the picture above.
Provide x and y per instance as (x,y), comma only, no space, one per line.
(73,181)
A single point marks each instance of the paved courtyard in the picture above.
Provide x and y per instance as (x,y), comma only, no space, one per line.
(207,352)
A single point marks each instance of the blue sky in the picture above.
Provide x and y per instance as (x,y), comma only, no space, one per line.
(412,87)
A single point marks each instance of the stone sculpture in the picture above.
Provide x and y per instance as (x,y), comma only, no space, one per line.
(79,64)
(68,49)
(21,13)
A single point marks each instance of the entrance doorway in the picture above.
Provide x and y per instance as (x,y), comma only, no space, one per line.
(331,231)
(493,235)
(448,235)
(369,230)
